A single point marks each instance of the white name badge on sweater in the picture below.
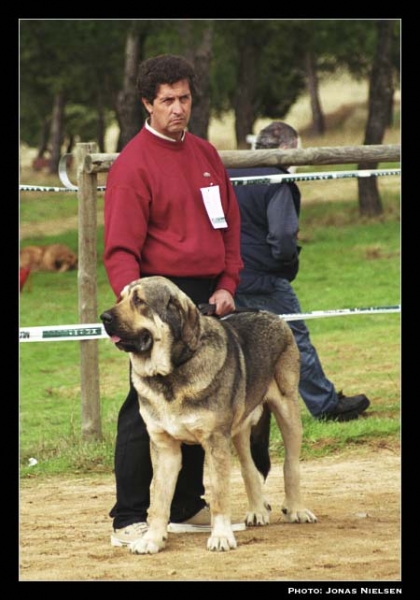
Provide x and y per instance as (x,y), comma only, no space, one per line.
(213,206)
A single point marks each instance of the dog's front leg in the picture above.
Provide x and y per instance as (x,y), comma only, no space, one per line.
(218,457)
(166,460)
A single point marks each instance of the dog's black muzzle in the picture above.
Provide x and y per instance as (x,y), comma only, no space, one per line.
(138,343)
(108,321)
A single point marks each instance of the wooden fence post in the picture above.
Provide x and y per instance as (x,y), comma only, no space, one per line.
(88,311)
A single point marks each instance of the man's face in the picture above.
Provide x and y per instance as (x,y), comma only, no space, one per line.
(171,109)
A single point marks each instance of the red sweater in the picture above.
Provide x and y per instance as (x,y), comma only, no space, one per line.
(155,219)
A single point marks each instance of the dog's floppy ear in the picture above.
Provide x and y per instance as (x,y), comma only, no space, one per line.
(126,289)
(185,320)
(124,292)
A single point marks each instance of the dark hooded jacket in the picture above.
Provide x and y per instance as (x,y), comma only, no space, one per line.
(269,228)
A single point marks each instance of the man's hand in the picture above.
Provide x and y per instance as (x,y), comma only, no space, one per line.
(224,302)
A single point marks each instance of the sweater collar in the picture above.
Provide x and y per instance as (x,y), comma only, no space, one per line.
(160,135)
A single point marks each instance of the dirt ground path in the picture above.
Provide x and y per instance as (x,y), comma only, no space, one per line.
(65,529)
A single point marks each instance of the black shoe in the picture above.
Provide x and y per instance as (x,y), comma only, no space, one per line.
(348,408)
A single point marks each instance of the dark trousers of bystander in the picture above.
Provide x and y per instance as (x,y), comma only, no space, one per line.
(317,391)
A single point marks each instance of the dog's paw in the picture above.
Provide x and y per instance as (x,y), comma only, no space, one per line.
(147,545)
(257,519)
(222,538)
(221,543)
(258,516)
(302,515)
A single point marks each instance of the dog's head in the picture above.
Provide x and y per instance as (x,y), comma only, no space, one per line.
(58,257)
(156,323)
(65,262)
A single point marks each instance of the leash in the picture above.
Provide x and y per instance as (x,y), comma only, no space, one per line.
(207,309)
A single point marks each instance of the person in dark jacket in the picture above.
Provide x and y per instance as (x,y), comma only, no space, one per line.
(270,252)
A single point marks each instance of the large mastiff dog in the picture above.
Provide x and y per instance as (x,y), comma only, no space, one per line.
(203,380)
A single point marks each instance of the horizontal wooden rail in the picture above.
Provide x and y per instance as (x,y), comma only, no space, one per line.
(328,155)
(333,155)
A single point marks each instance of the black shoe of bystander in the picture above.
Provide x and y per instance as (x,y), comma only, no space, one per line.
(348,408)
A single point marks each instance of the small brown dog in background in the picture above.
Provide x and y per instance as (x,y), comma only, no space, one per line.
(56,258)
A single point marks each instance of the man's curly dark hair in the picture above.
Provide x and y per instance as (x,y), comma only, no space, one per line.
(165,68)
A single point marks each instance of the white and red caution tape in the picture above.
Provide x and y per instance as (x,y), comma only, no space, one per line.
(92,331)
(323,175)
(267,179)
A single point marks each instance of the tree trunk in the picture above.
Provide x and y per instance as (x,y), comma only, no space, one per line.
(128,107)
(70,144)
(318,121)
(101,123)
(56,131)
(244,96)
(43,144)
(200,57)
(381,92)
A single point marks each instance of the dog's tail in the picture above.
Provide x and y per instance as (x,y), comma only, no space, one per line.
(260,442)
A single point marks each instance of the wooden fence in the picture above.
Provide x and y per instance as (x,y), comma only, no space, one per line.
(90,163)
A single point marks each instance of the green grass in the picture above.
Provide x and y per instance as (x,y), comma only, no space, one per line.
(346,262)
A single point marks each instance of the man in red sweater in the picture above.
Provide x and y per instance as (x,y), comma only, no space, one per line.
(170,210)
